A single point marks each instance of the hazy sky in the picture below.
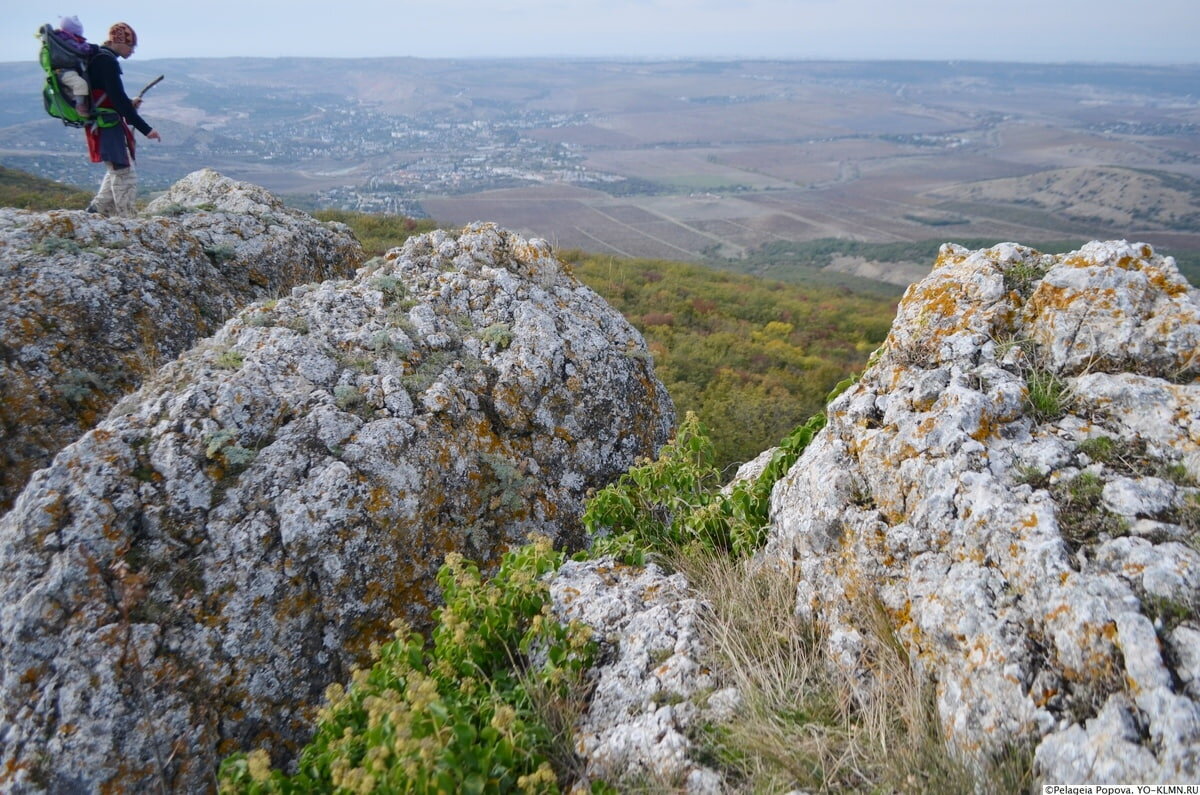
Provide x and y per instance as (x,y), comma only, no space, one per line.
(1144,31)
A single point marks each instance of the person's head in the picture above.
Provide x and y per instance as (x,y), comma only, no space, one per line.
(71,25)
(121,39)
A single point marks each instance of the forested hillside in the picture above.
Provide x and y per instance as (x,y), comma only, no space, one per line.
(27,192)
(753,358)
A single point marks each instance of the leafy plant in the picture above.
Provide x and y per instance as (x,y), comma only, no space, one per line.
(55,245)
(230,359)
(78,385)
(220,253)
(675,501)
(457,715)
(223,446)
(498,335)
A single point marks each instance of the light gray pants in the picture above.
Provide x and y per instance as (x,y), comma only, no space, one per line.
(117,192)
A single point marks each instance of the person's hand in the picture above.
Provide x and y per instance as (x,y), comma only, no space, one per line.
(137,102)
(153,135)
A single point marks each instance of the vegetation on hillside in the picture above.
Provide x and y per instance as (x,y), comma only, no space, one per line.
(27,192)
(752,358)
(802,262)
(377,233)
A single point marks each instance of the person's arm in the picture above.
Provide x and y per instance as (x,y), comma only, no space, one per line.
(105,68)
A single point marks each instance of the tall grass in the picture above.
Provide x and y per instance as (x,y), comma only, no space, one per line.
(806,722)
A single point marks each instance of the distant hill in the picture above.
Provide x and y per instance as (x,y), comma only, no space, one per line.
(1098,195)
(27,192)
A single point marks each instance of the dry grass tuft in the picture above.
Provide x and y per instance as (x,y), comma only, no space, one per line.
(806,723)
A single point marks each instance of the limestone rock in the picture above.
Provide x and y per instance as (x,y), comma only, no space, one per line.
(650,686)
(187,578)
(93,306)
(1015,481)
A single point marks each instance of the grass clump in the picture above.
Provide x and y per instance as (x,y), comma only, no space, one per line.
(1081,517)
(479,709)
(807,723)
(1021,277)
(230,359)
(1048,397)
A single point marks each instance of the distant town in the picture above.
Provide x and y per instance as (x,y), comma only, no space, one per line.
(424,155)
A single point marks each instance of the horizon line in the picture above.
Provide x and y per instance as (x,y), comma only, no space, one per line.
(660,59)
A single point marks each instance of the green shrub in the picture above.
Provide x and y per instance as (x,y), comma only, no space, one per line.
(498,335)
(220,253)
(230,359)
(675,502)
(462,714)
(79,385)
(54,245)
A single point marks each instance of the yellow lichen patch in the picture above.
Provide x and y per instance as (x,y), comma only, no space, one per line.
(1061,610)
(1159,281)
(987,428)
(1052,298)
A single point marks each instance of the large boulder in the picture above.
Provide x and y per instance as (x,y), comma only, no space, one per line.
(93,305)
(1015,481)
(188,577)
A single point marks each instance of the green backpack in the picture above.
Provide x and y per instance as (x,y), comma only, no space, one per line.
(59,53)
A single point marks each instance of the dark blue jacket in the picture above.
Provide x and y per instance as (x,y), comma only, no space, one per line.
(104,76)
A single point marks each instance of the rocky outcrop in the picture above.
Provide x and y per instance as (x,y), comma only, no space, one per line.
(1015,481)
(93,305)
(650,687)
(186,578)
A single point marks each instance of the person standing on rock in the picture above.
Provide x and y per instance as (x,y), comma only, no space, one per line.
(110,139)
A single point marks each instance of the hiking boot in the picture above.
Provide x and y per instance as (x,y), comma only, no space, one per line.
(91,208)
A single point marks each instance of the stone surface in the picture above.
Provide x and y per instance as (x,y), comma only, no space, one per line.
(187,577)
(1049,588)
(650,686)
(92,305)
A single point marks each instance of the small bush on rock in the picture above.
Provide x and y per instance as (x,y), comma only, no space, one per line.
(458,715)
(674,502)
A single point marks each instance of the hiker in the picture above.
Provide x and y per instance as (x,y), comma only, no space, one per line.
(109,138)
(70,34)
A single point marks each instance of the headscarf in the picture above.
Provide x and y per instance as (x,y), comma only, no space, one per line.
(122,33)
